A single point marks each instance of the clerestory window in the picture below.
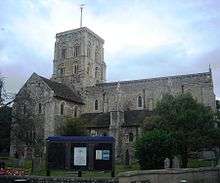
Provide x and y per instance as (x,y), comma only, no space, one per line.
(139,101)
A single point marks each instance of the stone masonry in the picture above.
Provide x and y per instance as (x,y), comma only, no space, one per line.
(78,87)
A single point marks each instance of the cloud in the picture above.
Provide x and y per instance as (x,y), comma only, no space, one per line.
(145,38)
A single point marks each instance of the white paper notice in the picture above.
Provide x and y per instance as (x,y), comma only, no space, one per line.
(98,154)
(80,154)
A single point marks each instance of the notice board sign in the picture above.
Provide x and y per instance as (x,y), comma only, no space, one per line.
(80,153)
(103,156)
(80,156)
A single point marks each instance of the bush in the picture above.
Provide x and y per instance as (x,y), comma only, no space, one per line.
(152,149)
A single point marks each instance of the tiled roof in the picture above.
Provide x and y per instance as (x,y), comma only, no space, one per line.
(62,91)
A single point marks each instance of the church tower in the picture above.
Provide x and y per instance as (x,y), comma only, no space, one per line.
(79,58)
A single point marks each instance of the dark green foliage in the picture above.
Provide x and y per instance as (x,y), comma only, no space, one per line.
(189,121)
(218,105)
(5,124)
(153,147)
(73,127)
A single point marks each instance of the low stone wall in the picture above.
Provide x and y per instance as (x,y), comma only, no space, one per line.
(39,179)
(198,175)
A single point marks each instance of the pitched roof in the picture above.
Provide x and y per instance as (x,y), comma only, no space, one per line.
(97,120)
(102,120)
(62,91)
(136,117)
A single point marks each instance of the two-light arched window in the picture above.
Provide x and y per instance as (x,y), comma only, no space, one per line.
(140,102)
(96,105)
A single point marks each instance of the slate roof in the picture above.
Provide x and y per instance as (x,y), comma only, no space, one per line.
(97,120)
(102,120)
(62,91)
(135,117)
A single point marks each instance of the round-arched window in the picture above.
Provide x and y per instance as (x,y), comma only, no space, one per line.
(139,101)
(96,105)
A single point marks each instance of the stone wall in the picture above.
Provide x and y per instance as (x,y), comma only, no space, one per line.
(38,179)
(84,69)
(199,175)
(151,90)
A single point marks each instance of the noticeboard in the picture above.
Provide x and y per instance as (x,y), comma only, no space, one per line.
(80,153)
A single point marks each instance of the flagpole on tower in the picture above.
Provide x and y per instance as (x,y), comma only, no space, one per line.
(81,10)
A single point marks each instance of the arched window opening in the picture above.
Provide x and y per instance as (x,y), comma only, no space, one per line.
(75,69)
(87,70)
(139,101)
(39,108)
(131,137)
(96,55)
(75,111)
(63,53)
(182,89)
(96,105)
(76,50)
(89,50)
(62,109)
(96,72)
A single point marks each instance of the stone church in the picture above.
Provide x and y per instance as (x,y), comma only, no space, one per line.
(78,87)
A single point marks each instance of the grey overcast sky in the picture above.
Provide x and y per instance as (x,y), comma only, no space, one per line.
(143,38)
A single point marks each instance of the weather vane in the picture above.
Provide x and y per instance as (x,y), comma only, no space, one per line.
(81,9)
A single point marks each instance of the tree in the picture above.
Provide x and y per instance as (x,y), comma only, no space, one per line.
(218,105)
(73,127)
(189,121)
(27,128)
(5,124)
(153,147)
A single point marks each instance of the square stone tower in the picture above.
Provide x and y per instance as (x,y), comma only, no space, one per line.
(79,58)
